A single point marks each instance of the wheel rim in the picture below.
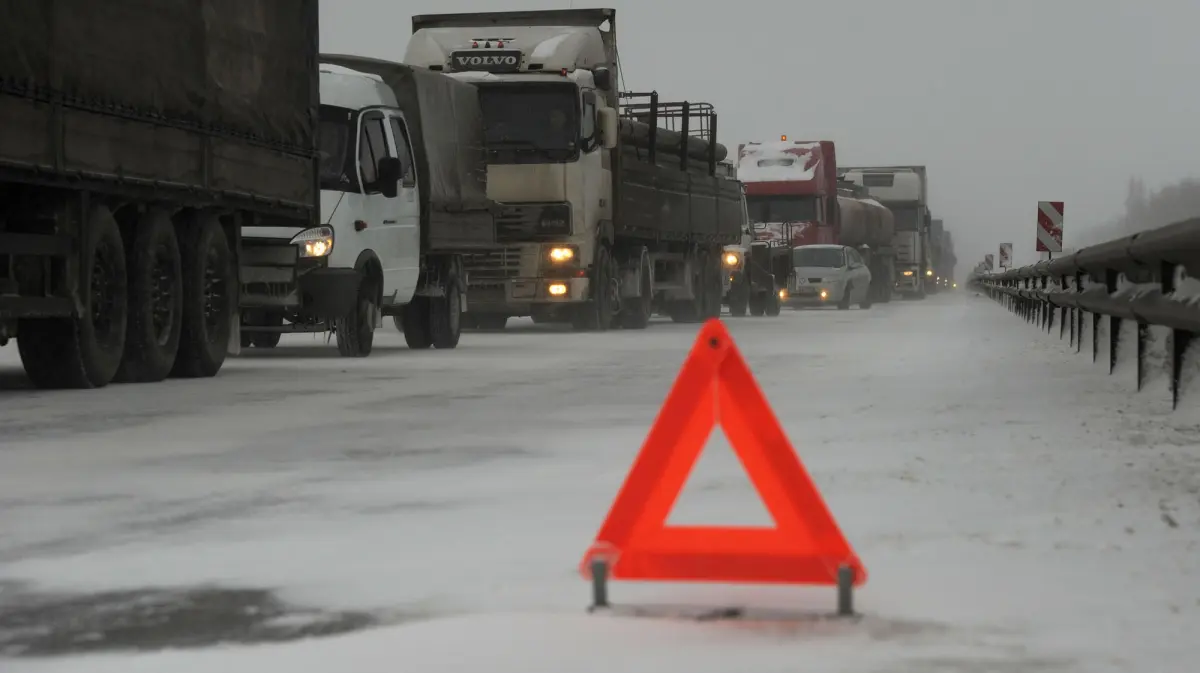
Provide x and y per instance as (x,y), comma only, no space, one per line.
(216,304)
(104,292)
(163,277)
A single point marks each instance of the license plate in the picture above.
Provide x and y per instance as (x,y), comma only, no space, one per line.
(524,289)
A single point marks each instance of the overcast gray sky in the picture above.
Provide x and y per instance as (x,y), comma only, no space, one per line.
(1006,101)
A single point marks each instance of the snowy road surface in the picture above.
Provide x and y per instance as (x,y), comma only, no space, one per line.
(1017,510)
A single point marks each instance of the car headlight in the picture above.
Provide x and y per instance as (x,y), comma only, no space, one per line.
(928,272)
(562,254)
(315,242)
(731,259)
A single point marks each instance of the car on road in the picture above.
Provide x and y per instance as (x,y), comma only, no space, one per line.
(829,275)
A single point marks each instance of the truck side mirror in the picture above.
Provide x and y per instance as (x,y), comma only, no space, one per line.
(606,119)
(389,176)
(603,78)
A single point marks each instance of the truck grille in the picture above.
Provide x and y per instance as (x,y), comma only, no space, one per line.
(493,266)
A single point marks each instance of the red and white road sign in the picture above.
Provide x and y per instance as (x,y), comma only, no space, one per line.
(1006,255)
(1050,226)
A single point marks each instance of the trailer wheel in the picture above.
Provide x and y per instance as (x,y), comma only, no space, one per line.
(635,313)
(445,313)
(155,301)
(208,286)
(355,331)
(415,323)
(84,352)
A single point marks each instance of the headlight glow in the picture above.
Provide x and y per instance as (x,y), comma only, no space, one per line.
(558,289)
(561,254)
(731,259)
(315,242)
(908,273)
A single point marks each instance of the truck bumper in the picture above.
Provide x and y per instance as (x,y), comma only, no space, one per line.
(521,296)
(907,284)
(328,293)
(275,278)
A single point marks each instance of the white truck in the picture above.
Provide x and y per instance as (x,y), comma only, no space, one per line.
(403,195)
(612,206)
(904,191)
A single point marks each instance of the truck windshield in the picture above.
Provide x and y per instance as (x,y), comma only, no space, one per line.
(782,208)
(335,140)
(832,258)
(906,217)
(530,122)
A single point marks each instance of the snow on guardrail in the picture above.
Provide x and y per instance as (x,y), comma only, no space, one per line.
(1151,278)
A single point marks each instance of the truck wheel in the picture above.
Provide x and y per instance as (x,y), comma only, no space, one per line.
(155,301)
(208,287)
(692,310)
(84,352)
(714,286)
(635,313)
(414,322)
(445,313)
(355,331)
(597,314)
(758,304)
(739,296)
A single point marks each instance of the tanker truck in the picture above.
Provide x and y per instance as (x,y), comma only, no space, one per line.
(612,206)
(903,190)
(795,199)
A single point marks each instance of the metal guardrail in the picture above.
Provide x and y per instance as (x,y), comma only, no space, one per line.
(1152,278)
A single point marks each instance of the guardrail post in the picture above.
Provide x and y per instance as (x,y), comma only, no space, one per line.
(1114,322)
(1143,333)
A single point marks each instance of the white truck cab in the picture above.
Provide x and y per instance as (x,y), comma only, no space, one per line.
(366,259)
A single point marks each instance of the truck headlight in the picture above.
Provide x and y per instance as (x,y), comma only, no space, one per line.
(731,259)
(315,242)
(928,272)
(908,273)
(562,254)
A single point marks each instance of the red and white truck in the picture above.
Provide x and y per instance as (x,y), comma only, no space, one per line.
(794,198)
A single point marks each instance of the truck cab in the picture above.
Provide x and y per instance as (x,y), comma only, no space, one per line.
(550,115)
(365,260)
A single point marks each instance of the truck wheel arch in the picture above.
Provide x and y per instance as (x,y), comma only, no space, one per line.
(606,232)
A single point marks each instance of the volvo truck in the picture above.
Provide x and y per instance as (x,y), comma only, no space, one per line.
(612,206)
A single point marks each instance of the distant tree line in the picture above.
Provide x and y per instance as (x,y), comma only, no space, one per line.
(1148,210)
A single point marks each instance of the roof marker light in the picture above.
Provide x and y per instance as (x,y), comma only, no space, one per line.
(499,44)
(474,45)
(783,137)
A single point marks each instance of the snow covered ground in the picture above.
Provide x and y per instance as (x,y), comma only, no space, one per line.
(1017,508)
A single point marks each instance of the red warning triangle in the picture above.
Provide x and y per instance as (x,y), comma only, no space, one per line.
(715,387)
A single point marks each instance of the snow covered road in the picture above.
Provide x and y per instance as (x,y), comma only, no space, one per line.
(1016,509)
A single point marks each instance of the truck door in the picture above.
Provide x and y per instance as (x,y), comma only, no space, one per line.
(406,239)
(381,215)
